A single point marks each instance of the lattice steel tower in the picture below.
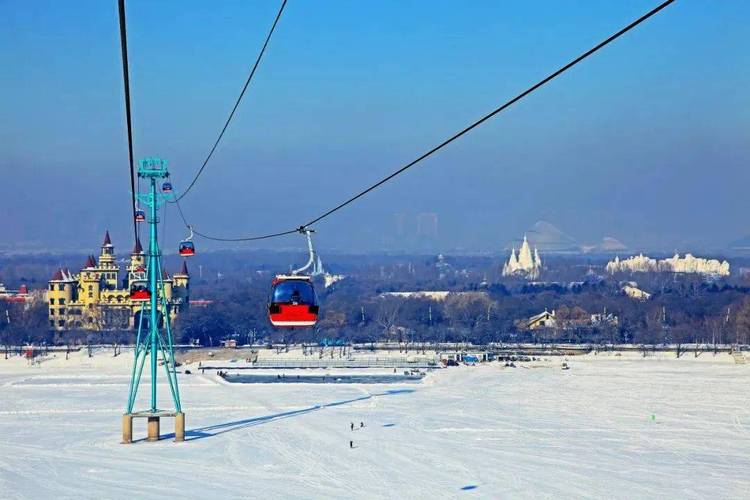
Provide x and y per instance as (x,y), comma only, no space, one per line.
(154,337)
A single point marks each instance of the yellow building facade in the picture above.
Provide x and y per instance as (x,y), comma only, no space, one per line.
(97,299)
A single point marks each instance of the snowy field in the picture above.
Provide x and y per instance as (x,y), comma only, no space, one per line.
(610,427)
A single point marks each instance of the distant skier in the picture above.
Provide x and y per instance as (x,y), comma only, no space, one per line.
(351,444)
(361,424)
(352,425)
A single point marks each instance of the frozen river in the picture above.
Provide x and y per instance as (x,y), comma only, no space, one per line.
(607,428)
(322,379)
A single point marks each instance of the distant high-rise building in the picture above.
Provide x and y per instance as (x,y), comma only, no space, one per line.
(427,224)
(399,221)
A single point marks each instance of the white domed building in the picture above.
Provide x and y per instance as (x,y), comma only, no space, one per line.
(526,263)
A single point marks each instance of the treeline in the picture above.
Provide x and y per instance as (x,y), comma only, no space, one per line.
(29,324)
(682,308)
(687,311)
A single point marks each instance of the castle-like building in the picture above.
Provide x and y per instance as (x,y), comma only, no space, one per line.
(96,298)
(526,264)
(688,264)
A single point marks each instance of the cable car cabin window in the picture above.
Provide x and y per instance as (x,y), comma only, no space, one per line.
(293,291)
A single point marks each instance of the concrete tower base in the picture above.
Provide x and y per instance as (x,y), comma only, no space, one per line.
(127,429)
(179,427)
(153,425)
(153,428)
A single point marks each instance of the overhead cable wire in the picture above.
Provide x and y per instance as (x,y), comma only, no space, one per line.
(236,104)
(164,222)
(126,81)
(254,238)
(459,134)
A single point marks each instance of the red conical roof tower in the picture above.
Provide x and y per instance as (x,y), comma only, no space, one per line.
(107,240)
(57,276)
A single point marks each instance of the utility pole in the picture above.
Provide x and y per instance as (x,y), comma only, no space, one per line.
(726,324)
(151,342)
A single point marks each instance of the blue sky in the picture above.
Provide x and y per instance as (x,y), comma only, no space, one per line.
(647,141)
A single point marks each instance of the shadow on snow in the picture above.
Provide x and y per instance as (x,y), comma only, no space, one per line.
(215,430)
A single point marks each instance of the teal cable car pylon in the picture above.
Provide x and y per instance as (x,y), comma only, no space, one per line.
(154,337)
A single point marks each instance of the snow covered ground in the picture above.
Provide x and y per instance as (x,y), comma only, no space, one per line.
(610,427)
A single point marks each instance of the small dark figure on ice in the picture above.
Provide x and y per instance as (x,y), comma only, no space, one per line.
(351,444)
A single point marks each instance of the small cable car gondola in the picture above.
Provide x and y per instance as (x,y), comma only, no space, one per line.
(140,215)
(139,285)
(187,247)
(139,293)
(166,187)
(292,302)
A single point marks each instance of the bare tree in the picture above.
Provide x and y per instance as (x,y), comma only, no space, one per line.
(387,313)
(742,322)
(715,326)
(469,310)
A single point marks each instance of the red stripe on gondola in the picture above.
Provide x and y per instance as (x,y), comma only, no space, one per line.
(293,315)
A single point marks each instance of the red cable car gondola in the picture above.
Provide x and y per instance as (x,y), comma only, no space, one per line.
(187,247)
(293,302)
(140,215)
(166,187)
(139,293)
(138,279)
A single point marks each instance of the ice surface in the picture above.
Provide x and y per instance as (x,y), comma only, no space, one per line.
(607,428)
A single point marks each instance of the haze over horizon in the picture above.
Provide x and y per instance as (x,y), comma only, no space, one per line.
(647,141)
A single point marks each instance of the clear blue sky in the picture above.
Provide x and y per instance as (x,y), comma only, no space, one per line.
(647,141)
